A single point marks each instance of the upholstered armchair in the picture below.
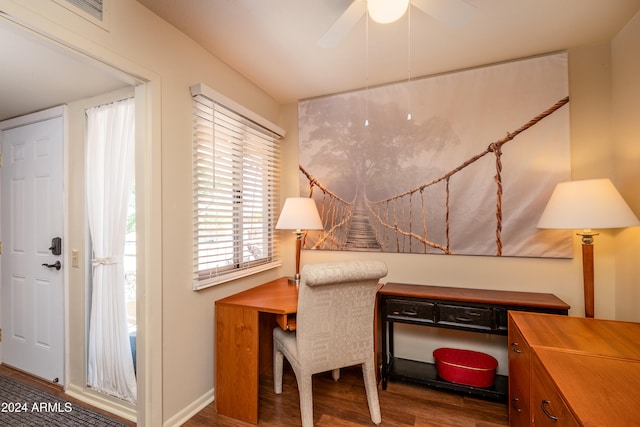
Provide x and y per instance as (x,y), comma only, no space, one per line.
(335,329)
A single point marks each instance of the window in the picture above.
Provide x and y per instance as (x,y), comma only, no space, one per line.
(236,171)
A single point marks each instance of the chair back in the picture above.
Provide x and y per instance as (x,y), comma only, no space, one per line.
(335,317)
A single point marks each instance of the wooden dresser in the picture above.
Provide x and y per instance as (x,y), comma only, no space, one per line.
(570,371)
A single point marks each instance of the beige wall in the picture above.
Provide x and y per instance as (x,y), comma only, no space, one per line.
(178,333)
(626,164)
(187,316)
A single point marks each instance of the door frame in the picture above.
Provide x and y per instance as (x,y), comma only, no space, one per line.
(28,119)
(149,277)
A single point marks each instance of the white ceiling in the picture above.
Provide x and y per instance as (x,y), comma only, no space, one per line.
(274,42)
(37,73)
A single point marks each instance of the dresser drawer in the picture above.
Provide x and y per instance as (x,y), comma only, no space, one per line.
(519,415)
(476,318)
(547,406)
(415,311)
(519,378)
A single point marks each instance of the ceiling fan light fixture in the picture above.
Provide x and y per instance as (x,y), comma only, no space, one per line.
(386,11)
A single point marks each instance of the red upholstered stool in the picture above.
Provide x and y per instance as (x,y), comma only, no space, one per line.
(466,367)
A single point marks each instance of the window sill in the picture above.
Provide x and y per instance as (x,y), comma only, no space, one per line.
(227,277)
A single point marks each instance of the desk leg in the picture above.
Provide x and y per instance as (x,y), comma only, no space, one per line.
(236,363)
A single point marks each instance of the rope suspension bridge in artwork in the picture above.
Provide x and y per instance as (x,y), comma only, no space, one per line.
(399,223)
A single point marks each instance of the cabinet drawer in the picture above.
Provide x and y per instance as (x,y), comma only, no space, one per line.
(502,320)
(519,378)
(466,317)
(547,407)
(415,311)
(518,405)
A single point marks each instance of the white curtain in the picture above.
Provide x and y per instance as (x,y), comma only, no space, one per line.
(110,173)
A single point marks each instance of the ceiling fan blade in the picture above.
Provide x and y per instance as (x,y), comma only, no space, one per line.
(344,24)
(454,13)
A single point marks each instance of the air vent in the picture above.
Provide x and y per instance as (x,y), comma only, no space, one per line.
(91,7)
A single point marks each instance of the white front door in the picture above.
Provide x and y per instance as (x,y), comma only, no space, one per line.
(31,216)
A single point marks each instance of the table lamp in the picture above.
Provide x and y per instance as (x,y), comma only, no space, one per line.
(587,204)
(299,214)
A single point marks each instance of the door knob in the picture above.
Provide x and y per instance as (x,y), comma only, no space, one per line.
(55,265)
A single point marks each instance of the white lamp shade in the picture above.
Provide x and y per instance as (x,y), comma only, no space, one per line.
(386,11)
(587,204)
(299,213)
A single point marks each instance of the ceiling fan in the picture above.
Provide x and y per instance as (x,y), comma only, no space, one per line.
(451,12)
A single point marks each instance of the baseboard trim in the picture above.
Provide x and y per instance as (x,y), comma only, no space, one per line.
(106,403)
(188,412)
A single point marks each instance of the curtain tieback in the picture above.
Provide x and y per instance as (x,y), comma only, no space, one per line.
(106,260)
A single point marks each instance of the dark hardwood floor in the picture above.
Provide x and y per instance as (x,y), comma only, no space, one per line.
(344,404)
(53,389)
(338,404)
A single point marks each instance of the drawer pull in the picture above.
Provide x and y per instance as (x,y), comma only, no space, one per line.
(468,317)
(515,348)
(514,404)
(547,413)
(410,312)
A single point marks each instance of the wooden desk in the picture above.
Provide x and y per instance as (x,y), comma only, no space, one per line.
(582,372)
(244,344)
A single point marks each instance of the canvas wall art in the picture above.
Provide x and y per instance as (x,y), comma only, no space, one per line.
(460,164)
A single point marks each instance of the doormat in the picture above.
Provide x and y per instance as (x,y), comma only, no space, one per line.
(24,406)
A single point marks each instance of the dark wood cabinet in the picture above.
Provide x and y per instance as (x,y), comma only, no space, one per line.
(474,310)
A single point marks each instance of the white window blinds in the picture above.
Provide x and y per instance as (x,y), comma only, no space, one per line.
(236,170)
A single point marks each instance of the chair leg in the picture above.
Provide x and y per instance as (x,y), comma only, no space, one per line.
(371,387)
(305,387)
(278,360)
(335,374)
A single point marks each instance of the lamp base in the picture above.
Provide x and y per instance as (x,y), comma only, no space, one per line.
(587,271)
(588,279)
(295,280)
